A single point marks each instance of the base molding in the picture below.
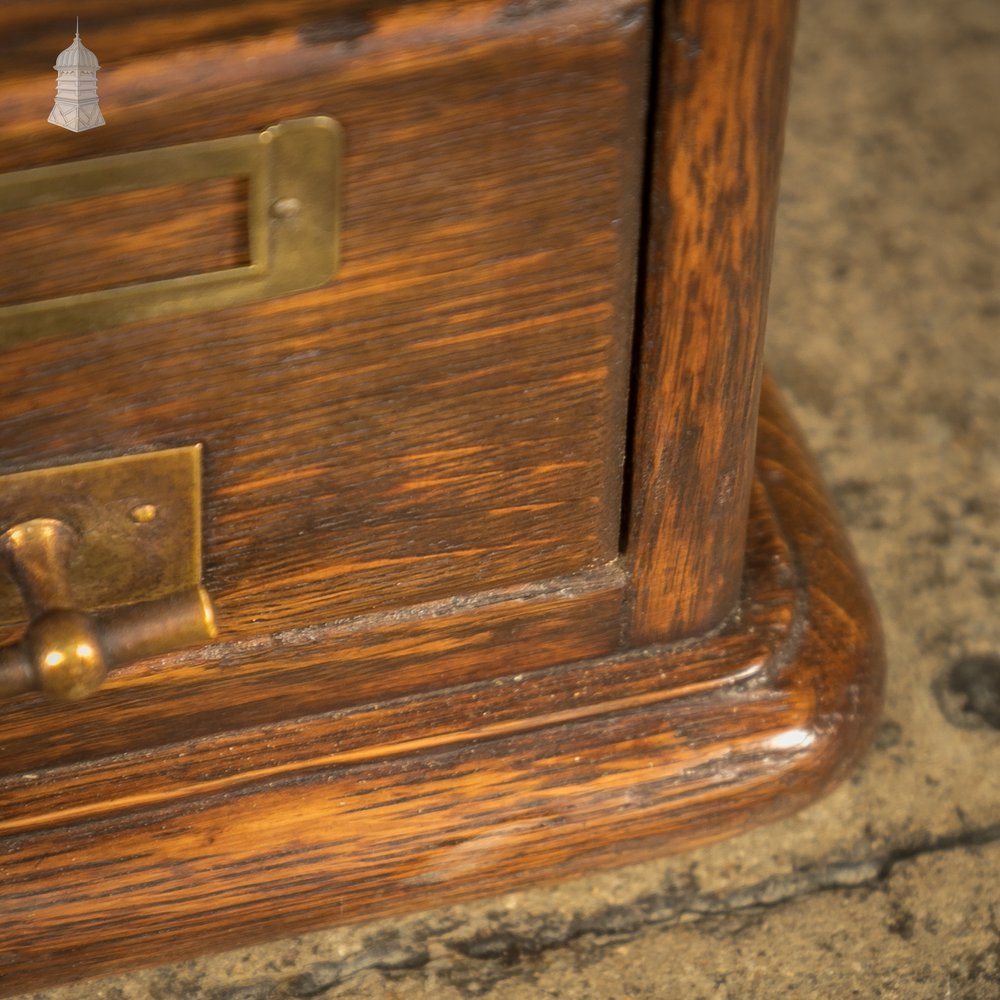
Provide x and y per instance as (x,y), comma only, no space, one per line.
(468,790)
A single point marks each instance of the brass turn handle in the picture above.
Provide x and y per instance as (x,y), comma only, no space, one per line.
(65,652)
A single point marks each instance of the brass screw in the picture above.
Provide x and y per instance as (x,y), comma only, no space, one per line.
(144,513)
(286,208)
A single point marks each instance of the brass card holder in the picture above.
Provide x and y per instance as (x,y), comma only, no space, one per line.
(104,557)
(293,170)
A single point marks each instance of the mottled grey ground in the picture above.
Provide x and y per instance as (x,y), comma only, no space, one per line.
(885,332)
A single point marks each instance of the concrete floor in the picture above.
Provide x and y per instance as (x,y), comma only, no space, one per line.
(885,332)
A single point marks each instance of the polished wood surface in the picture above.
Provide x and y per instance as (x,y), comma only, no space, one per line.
(466,790)
(123,239)
(228,686)
(448,662)
(716,146)
(448,415)
(413,474)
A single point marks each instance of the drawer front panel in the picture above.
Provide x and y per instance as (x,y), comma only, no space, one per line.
(447,416)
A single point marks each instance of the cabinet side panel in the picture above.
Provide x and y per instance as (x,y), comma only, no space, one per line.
(718,123)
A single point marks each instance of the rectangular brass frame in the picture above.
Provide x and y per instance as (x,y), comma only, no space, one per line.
(137,520)
(295,165)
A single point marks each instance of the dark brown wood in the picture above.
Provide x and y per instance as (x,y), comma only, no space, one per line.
(448,415)
(122,239)
(721,97)
(440,430)
(304,672)
(465,790)
(438,674)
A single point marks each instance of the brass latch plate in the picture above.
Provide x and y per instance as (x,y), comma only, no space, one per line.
(137,518)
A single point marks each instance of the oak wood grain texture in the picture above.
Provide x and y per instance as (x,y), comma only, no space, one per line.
(465,790)
(123,239)
(716,148)
(447,417)
(272,678)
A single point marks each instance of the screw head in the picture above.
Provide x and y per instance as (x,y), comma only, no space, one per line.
(143,513)
(286,208)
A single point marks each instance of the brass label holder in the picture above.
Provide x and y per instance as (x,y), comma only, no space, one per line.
(136,518)
(293,170)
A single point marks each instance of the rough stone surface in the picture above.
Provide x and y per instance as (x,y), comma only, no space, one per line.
(885,333)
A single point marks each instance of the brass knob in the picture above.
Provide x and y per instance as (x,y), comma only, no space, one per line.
(65,652)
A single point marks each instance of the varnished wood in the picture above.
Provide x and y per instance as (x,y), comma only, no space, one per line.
(464,790)
(448,415)
(302,672)
(123,239)
(440,674)
(716,148)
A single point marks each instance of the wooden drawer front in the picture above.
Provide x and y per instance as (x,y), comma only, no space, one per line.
(447,416)
(413,475)
(438,675)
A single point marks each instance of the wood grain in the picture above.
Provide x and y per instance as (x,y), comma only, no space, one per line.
(439,675)
(123,239)
(447,417)
(465,790)
(716,149)
(303,672)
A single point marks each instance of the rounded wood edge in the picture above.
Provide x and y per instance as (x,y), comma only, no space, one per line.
(811,711)
(840,662)
(677,747)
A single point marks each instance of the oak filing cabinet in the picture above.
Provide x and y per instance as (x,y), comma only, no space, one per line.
(422,341)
